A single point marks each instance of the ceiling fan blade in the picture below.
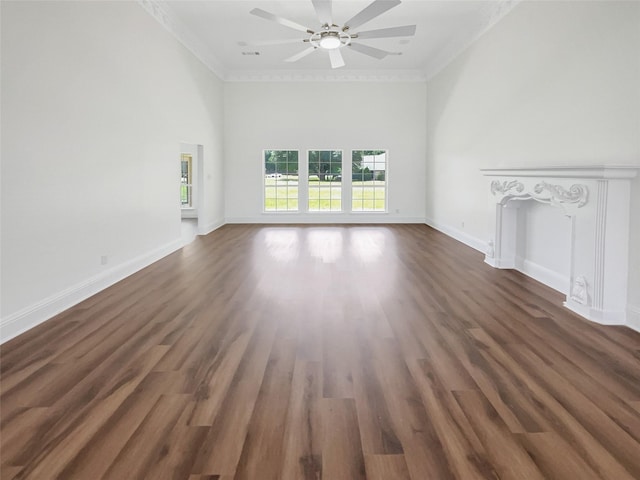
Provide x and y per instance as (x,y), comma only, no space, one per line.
(405,31)
(262,43)
(323,11)
(336,58)
(378,7)
(371,51)
(282,21)
(300,55)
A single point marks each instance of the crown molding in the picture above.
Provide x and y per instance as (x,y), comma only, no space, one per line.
(493,13)
(163,15)
(325,76)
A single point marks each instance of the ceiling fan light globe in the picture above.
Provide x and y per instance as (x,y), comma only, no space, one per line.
(330,42)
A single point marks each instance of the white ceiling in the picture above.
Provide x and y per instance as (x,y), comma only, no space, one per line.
(213,29)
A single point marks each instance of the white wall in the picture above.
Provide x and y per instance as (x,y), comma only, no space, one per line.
(554,83)
(96,98)
(302,116)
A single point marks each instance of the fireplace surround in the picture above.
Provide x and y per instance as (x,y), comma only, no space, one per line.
(596,200)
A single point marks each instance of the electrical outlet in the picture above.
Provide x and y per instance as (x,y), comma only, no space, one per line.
(462,224)
(104,259)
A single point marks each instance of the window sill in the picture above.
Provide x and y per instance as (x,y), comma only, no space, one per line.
(189,213)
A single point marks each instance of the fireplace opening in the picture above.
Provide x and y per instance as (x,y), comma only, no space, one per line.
(543,244)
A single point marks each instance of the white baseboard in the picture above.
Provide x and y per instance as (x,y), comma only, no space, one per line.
(542,274)
(602,317)
(19,322)
(464,237)
(633,317)
(207,229)
(322,218)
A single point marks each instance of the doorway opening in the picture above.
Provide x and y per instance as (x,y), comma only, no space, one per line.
(191,190)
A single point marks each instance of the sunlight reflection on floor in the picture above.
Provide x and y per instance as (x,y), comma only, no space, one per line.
(325,244)
(367,245)
(282,244)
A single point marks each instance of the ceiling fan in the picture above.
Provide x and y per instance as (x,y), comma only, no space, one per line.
(332,37)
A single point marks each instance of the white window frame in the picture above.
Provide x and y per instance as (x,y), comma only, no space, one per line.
(308,190)
(264,177)
(191,191)
(386,183)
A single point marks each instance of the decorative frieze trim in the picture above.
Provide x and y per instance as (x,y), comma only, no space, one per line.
(505,187)
(344,75)
(543,192)
(556,194)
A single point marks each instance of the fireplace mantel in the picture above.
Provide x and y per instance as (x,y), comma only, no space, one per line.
(597,201)
(595,172)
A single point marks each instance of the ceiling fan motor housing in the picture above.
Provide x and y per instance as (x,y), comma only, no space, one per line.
(330,39)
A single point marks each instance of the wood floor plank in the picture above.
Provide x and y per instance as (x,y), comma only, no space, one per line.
(507,393)
(375,421)
(565,416)
(262,453)
(337,354)
(178,451)
(310,352)
(303,427)
(614,439)
(555,458)
(9,472)
(423,448)
(19,431)
(63,449)
(616,408)
(218,455)
(101,451)
(138,457)
(342,457)
(509,458)
(385,467)
(463,449)
(215,383)
(546,332)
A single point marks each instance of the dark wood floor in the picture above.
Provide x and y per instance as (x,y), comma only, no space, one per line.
(378,352)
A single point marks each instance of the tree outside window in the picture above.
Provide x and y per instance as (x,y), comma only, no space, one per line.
(325,180)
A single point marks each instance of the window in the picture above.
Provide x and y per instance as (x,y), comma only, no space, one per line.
(280,180)
(368,181)
(186,180)
(325,180)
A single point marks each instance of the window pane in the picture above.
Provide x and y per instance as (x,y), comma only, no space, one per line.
(270,192)
(280,180)
(324,180)
(369,168)
(186,180)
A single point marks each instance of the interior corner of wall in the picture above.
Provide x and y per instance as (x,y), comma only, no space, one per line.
(633,317)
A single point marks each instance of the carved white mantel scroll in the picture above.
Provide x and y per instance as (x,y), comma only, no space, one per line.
(597,200)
